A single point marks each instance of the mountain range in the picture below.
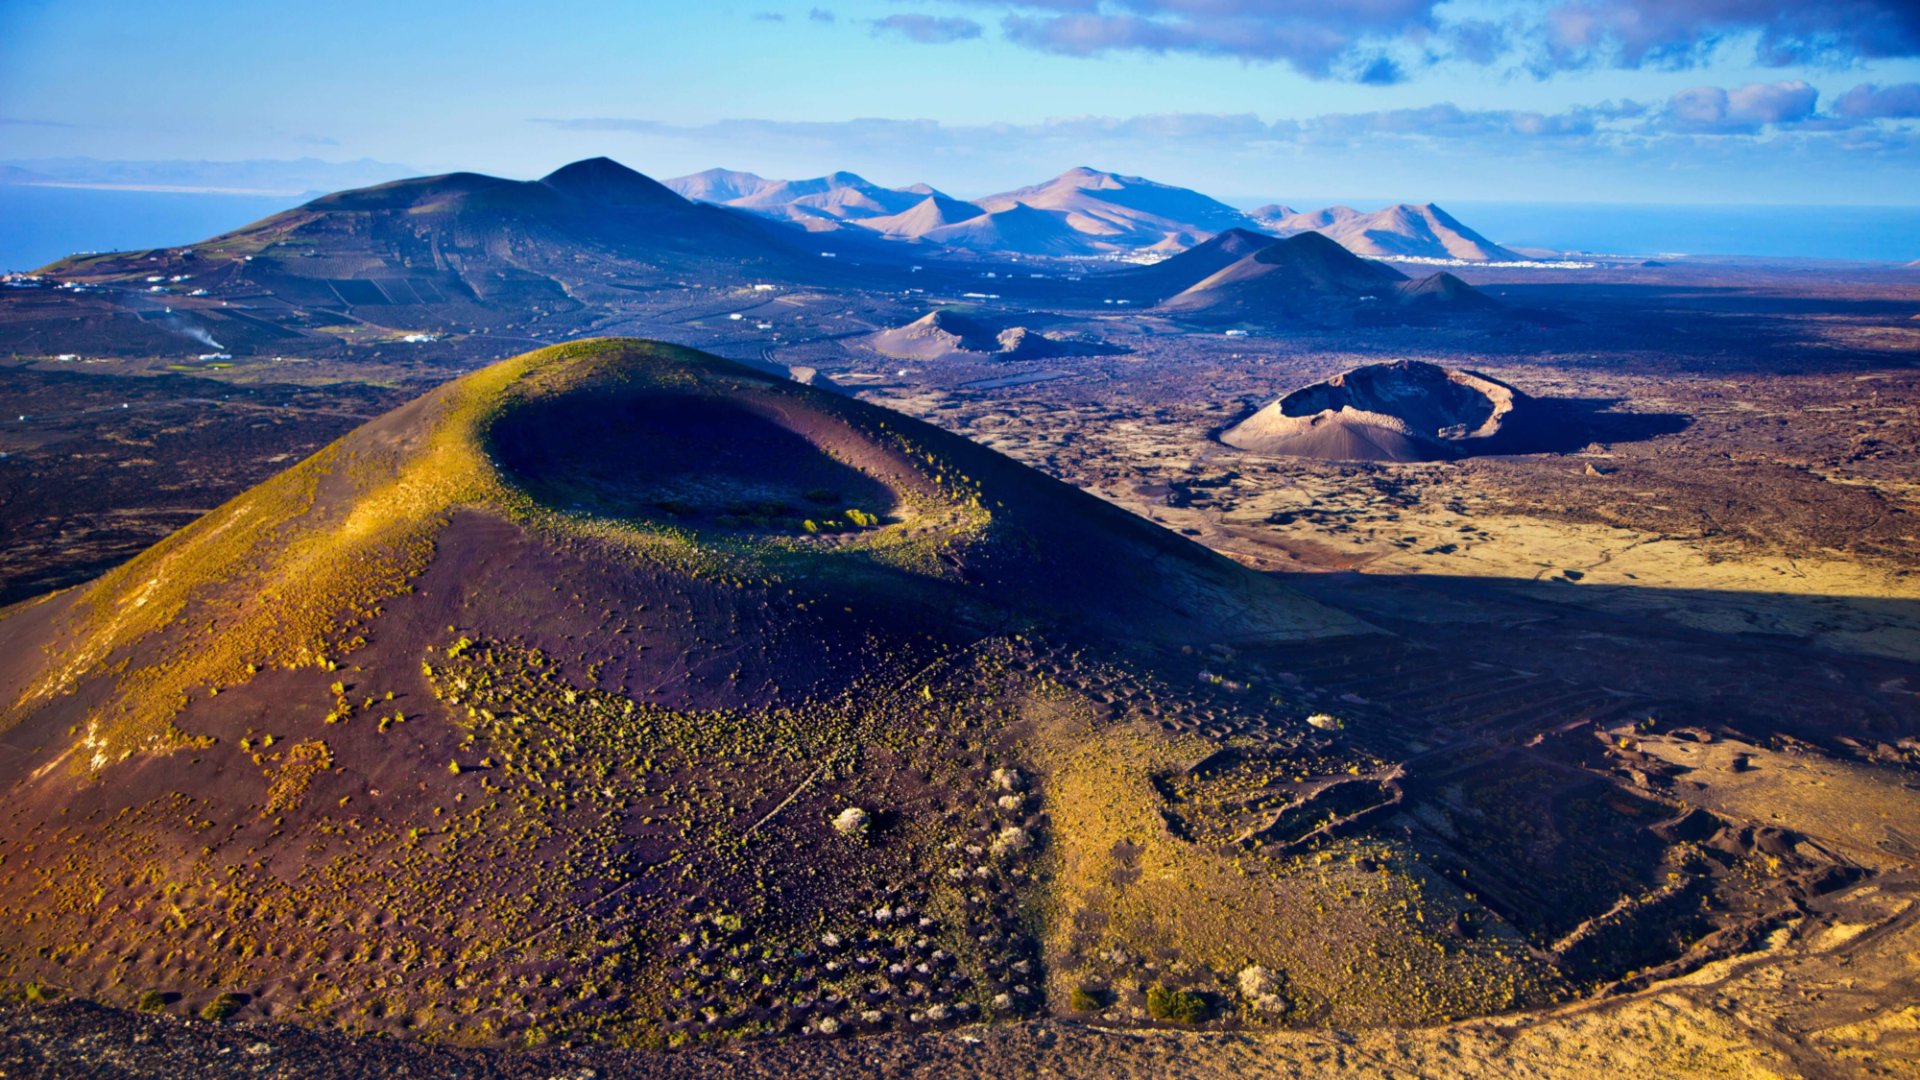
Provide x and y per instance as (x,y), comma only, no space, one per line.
(540,260)
(464,251)
(1081,212)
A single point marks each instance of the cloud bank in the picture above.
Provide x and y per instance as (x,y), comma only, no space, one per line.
(1749,113)
(1764,141)
(928,29)
(1380,41)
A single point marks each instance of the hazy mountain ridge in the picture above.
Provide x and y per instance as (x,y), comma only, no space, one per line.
(1089,212)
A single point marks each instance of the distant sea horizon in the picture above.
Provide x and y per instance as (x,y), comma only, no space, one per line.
(41,224)
(1846,233)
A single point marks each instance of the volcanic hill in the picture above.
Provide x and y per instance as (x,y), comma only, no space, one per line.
(1310,278)
(1113,212)
(944,333)
(464,251)
(621,692)
(1403,411)
(1176,273)
(1285,278)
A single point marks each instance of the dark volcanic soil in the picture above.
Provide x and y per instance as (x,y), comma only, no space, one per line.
(100,466)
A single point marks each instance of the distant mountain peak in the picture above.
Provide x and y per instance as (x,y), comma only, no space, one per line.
(1083,176)
(593,167)
(1419,230)
(1311,244)
(720,185)
(1112,213)
(934,211)
(604,179)
(726,174)
(1240,236)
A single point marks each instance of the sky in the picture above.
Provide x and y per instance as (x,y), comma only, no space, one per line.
(1299,101)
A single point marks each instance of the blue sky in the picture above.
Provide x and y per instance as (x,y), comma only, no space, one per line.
(1552,100)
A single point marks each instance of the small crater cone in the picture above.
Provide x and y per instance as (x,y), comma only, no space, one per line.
(1404,411)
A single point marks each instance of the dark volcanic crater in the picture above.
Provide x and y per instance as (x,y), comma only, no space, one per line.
(689,458)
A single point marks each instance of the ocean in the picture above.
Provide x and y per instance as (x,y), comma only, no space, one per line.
(1862,233)
(41,224)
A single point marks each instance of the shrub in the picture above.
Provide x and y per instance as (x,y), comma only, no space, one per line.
(151,1001)
(220,1008)
(1264,990)
(1085,999)
(1179,1006)
(852,821)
